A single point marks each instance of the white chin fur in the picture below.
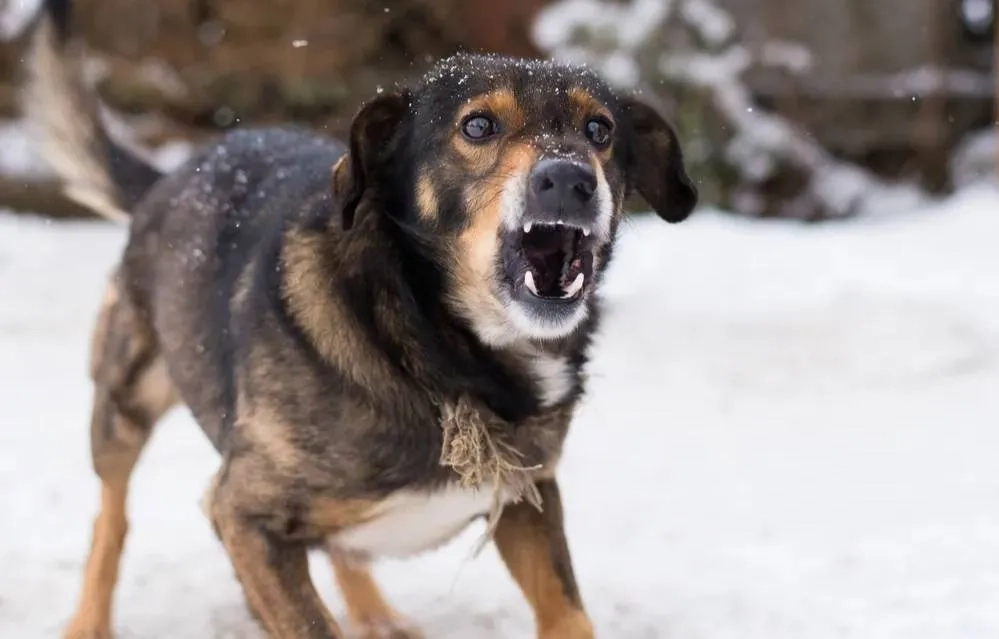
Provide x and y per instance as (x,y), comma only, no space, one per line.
(515,323)
(534,326)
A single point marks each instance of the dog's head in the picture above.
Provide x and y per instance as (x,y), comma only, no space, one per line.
(514,173)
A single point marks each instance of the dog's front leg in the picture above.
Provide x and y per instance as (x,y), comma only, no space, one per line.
(272,569)
(534,548)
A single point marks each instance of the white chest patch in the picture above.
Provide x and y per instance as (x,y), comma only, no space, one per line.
(553,376)
(410,522)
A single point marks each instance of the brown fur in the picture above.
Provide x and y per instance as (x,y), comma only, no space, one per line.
(426,197)
(534,549)
(275,578)
(584,106)
(477,245)
(310,261)
(132,393)
(93,616)
(479,159)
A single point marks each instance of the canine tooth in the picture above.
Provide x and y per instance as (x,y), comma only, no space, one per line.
(575,287)
(586,232)
(559,223)
(529,281)
(527,227)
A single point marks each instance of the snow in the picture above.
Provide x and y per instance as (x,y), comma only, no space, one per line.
(974,160)
(16,16)
(628,25)
(714,23)
(20,154)
(792,432)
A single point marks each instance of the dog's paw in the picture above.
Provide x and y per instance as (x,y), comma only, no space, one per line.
(391,628)
(574,625)
(80,629)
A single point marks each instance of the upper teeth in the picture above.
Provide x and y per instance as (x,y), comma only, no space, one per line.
(530,225)
(575,287)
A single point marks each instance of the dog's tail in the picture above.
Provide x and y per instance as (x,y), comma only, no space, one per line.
(96,171)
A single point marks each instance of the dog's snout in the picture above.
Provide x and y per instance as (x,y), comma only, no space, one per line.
(562,185)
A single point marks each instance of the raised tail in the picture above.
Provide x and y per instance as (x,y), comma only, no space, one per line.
(96,171)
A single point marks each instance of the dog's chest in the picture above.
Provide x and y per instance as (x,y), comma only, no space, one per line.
(553,376)
(410,522)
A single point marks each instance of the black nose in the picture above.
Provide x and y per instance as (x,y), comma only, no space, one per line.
(562,186)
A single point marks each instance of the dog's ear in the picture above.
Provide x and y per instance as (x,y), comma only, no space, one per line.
(373,136)
(655,163)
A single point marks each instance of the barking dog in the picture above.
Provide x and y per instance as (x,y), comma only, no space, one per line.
(383,339)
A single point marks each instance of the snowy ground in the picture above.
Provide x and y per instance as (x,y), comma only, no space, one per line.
(792,433)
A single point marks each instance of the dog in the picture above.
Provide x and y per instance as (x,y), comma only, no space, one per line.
(384,338)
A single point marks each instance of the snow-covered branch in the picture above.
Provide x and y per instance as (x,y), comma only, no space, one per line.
(15,16)
(691,47)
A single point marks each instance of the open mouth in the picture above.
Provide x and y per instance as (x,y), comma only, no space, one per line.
(557,260)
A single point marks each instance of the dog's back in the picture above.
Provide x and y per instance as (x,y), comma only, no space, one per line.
(198,236)
(209,232)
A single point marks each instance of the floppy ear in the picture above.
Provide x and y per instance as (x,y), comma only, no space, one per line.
(655,163)
(372,136)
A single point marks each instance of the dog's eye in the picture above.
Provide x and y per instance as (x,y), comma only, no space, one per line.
(479,127)
(598,131)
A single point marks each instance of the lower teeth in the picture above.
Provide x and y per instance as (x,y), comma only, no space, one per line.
(529,281)
(570,291)
(575,287)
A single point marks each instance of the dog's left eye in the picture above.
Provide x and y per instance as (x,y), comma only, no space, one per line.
(598,131)
(479,127)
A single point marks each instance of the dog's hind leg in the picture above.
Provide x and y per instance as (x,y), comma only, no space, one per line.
(131,392)
(370,616)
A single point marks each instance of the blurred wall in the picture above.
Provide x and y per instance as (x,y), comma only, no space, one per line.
(210,62)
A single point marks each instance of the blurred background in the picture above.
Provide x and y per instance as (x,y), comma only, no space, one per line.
(808,109)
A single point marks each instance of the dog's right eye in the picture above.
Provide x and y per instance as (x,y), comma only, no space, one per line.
(479,127)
